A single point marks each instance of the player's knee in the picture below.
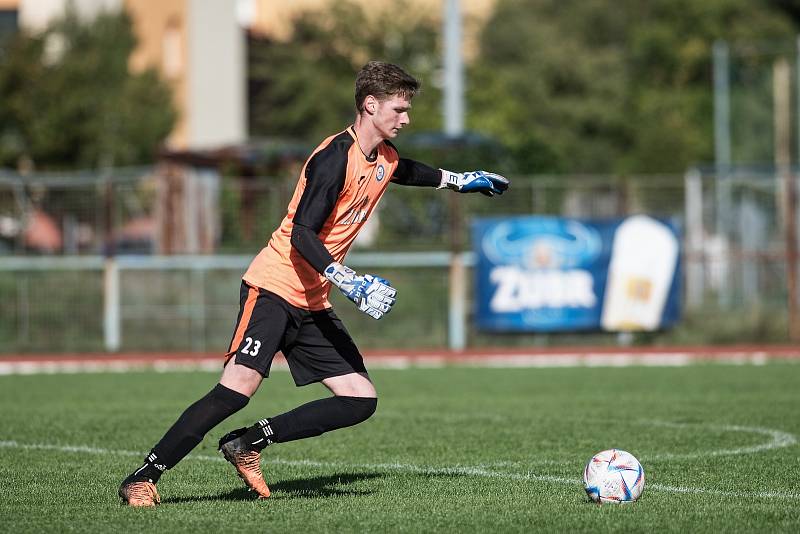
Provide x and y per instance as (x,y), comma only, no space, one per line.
(241,379)
(362,407)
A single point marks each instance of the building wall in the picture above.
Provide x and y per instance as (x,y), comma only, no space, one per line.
(198,47)
(36,14)
(9,19)
(217,73)
(273,17)
(161,28)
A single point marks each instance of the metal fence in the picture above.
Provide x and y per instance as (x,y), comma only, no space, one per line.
(192,211)
(180,243)
(736,239)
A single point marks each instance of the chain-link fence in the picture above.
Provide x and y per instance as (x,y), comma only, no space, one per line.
(193,233)
(77,213)
(190,211)
(737,239)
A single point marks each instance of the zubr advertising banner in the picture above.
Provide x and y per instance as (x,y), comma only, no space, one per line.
(556,274)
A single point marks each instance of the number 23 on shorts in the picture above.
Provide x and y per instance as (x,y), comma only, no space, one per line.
(251,346)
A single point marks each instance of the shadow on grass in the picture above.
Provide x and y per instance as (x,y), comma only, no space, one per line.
(299,488)
(323,486)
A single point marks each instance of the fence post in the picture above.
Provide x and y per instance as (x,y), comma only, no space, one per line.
(457,316)
(782,84)
(695,260)
(722,134)
(197,312)
(111,305)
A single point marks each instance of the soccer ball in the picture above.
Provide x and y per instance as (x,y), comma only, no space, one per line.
(613,476)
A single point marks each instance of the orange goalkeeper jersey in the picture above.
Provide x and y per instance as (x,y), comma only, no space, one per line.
(361,181)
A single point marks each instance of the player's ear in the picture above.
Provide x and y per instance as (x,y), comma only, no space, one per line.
(371,104)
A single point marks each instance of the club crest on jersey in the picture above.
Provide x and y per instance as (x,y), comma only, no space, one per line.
(381,173)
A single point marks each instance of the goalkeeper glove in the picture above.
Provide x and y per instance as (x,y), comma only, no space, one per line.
(488,183)
(373,295)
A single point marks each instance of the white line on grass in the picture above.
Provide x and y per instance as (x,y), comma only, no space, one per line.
(778,440)
(474,471)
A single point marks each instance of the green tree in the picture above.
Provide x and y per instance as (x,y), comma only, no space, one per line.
(609,86)
(68,99)
(303,87)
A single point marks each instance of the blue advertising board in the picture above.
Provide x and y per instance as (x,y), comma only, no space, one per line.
(551,274)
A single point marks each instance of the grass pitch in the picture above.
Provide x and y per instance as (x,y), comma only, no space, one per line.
(453,449)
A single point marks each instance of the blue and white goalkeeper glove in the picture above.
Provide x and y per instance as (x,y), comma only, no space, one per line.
(488,183)
(373,295)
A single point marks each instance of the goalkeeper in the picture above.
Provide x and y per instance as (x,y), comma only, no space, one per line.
(284,294)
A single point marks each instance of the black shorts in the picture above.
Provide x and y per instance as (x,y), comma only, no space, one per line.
(315,343)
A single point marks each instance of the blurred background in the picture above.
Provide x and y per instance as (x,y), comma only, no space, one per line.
(148,149)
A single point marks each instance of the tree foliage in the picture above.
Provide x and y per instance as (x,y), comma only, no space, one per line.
(573,86)
(303,87)
(557,85)
(68,99)
(609,86)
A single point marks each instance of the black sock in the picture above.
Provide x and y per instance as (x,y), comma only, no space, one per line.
(189,429)
(311,419)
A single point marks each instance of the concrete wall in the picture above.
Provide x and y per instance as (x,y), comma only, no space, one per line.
(217,92)
(161,27)
(199,48)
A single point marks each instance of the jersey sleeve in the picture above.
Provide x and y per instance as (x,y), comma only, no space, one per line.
(325,177)
(410,172)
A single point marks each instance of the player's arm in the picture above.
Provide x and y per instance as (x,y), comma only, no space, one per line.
(325,179)
(325,174)
(410,172)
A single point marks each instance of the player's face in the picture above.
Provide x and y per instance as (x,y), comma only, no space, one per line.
(391,116)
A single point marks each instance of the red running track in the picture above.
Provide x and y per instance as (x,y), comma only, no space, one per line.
(485,357)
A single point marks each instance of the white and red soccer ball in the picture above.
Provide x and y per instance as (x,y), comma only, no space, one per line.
(613,476)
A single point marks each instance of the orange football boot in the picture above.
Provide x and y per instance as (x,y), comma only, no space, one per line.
(139,491)
(246,460)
